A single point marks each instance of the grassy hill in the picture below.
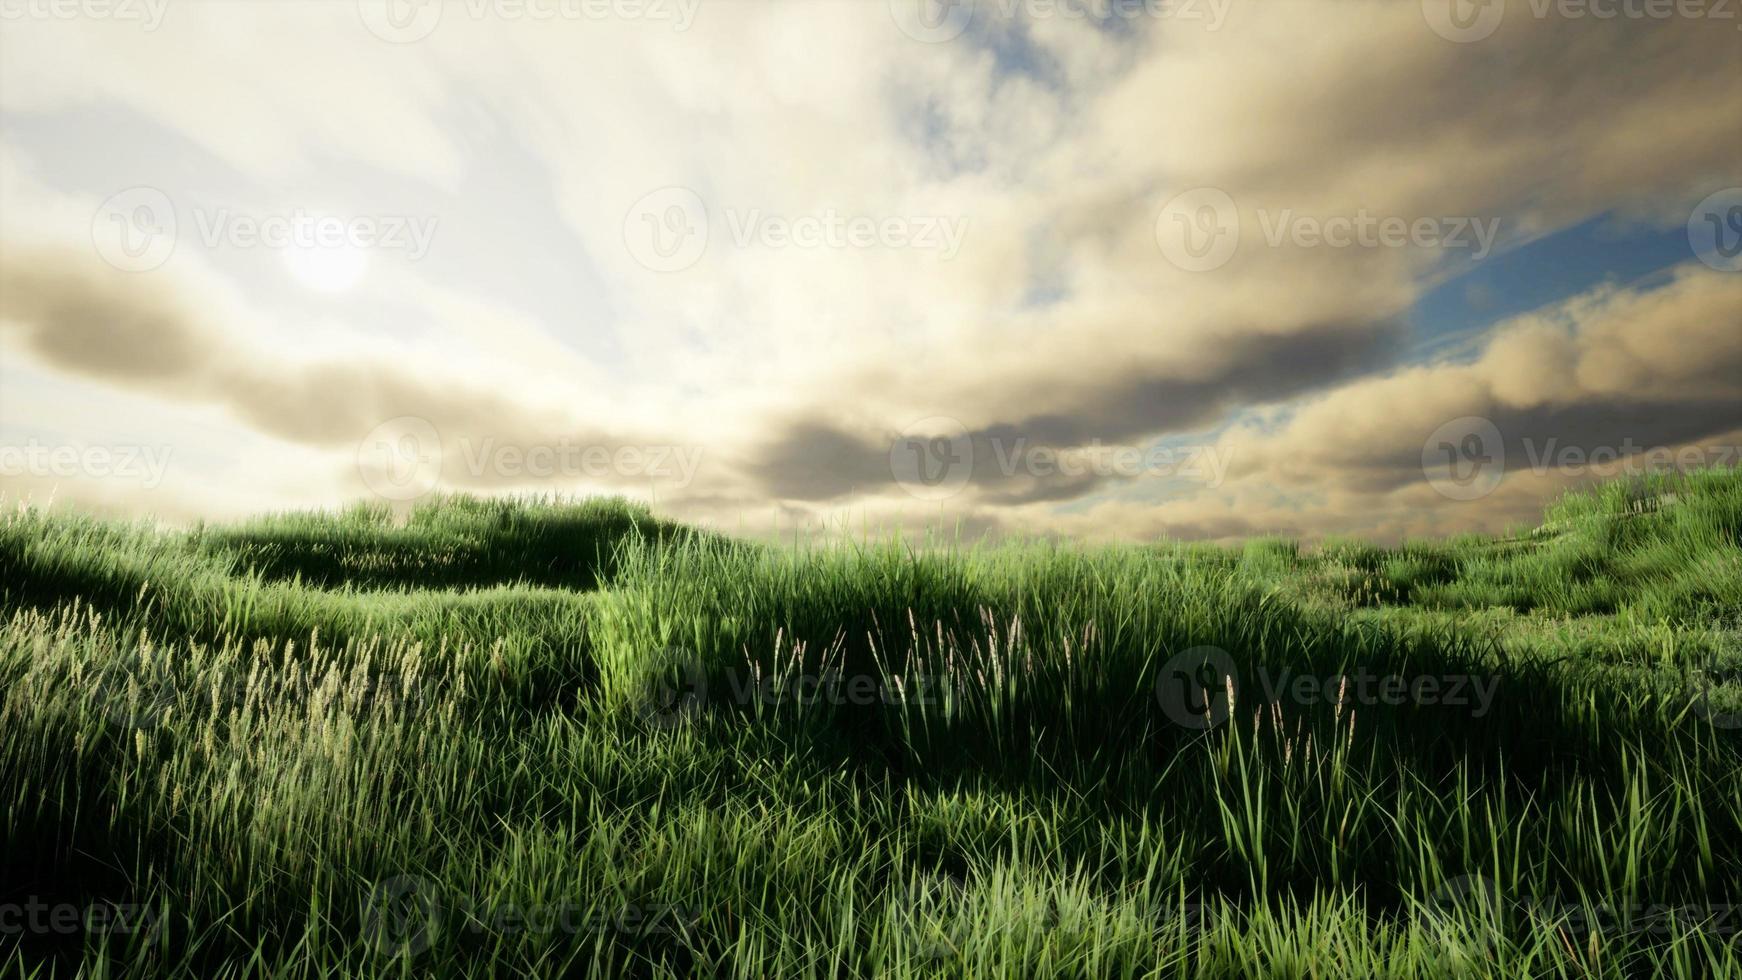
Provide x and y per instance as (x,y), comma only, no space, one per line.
(574,739)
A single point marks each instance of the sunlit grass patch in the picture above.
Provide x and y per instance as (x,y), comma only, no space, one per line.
(267,749)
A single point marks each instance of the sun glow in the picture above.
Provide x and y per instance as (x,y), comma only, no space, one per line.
(327,268)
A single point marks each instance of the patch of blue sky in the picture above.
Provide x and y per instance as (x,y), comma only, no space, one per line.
(1452,318)
(1453,314)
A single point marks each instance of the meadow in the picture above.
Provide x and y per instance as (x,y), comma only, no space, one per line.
(559,738)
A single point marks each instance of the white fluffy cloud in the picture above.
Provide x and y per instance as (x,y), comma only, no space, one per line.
(1050,145)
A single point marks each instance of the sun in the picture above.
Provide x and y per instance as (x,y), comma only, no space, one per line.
(327,269)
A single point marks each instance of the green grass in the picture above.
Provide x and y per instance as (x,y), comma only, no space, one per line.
(1614,550)
(563,738)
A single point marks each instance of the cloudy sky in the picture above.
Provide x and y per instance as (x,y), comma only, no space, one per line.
(1103,268)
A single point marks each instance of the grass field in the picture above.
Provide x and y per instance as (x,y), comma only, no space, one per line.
(573,739)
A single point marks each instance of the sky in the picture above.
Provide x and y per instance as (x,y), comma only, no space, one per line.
(1098,269)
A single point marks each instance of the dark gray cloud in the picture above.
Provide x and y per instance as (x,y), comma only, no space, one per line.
(815,460)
